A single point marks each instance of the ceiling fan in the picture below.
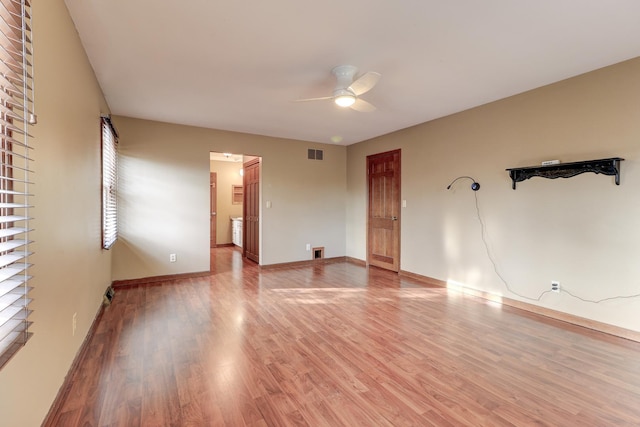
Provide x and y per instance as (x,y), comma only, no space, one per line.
(347,91)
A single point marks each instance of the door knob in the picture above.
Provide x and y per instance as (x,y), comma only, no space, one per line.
(394,218)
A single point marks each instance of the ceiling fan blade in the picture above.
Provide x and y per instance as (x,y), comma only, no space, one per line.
(314,99)
(363,106)
(365,83)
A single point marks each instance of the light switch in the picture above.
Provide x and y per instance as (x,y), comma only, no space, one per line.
(404,203)
(268,204)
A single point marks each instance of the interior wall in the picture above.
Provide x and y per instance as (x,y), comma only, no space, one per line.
(71,271)
(164,197)
(581,231)
(227,174)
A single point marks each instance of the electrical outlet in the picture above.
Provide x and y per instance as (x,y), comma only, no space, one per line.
(555,286)
(73,324)
(308,246)
(173,258)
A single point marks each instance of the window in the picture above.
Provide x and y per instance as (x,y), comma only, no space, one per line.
(16,115)
(109,183)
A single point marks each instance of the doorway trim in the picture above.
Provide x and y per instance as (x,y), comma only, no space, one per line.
(213,209)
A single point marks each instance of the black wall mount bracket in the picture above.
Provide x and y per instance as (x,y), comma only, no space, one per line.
(609,167)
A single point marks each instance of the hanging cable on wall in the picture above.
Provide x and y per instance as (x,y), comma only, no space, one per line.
(475,186)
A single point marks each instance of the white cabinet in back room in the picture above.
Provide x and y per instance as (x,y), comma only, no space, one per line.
(236,231)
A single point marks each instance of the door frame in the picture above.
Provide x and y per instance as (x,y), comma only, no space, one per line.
(213,204)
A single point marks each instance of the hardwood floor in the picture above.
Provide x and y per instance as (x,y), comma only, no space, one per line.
(340,345)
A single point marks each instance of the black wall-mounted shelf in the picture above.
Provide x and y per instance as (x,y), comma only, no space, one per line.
(609,167)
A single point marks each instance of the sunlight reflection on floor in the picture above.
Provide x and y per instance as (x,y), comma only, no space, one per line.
(457,288)
(333,295)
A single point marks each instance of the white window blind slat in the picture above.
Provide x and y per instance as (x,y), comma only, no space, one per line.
(13,271)
(13,205)
(13,140)
(16,115)
(14,330)
(8,300)
(24,155)
(14,168)
(12,313)
(12,218)
(10,326)
(12,231)
(14,256)
(14,340)
(13,192)
(10,285)
(14,180)
(11,244)
(9,83)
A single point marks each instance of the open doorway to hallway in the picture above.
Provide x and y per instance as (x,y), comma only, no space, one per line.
(234,203)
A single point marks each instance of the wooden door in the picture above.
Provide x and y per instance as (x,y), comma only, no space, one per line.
(383,222)
(213,196)
(251,209)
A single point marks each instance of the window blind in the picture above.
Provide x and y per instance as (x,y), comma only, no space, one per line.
(109,184)
(16,115)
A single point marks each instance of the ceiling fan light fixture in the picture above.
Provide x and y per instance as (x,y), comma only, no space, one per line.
(344,100)
(344,97)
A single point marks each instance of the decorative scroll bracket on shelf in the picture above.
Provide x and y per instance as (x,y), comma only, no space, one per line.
(609,167)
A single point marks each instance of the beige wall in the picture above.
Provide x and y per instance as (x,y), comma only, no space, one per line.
(582,231)
(164,197)
(71,272)
(227,174)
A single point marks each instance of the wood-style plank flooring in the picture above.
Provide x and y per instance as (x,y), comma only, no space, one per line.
(340,345)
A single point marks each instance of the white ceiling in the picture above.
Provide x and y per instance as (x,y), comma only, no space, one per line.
(238,65)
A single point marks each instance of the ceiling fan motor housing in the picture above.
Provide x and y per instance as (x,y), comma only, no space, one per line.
(344,75)
(343,92)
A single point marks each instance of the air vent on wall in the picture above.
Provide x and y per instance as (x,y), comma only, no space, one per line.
(315,154)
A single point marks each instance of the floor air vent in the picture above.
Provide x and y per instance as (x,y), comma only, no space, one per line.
(108,296)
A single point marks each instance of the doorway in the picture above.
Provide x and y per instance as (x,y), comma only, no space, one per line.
(226,207)
(383,210)
(229,225)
